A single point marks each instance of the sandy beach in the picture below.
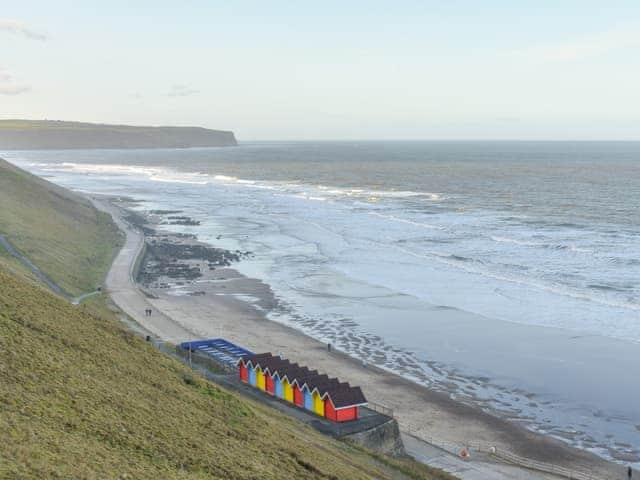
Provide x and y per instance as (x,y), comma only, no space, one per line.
(222,302)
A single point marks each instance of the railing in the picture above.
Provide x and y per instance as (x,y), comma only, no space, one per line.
(541,466)
(377,407)
(509,457)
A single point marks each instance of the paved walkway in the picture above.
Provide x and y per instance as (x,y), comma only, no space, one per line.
(125,293)
(477,467)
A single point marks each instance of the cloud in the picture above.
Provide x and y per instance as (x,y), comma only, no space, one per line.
(14,89)
(19,28)
(9,87)
(182,91)
(585,47)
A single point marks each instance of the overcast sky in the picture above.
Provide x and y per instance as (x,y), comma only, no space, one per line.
(330,70)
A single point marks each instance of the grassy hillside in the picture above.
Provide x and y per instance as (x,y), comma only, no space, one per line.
(60,232)
(51,134)
(80,397)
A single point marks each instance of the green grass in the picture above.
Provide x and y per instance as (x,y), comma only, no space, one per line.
(61,232)
(17,124)
(81,397)
(16,267)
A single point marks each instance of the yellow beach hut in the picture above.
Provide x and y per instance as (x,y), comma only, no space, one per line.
(260,379)
(318,404)
(288,390)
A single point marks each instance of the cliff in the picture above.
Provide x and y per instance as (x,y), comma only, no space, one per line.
(49,134)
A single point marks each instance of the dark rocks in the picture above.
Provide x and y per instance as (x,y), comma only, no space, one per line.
(177,257)
(181,220)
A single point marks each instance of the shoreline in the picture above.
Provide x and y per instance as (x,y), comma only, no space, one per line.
(420,411)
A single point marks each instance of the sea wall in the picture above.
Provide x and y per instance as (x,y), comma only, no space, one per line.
(384,438)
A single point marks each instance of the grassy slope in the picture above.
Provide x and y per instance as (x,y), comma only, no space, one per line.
(62,233)
(80,397)
(16,267)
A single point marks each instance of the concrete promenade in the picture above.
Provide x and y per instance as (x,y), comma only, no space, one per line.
(124,292)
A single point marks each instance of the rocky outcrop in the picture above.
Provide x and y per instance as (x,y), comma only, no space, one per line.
(36,135)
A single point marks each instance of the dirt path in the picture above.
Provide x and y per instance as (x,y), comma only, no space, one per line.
(31,266)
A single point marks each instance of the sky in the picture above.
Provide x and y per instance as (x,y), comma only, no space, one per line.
(449,69)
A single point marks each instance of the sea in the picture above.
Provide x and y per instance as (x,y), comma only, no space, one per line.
(506,274)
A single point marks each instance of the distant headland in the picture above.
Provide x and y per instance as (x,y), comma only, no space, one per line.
(53,134)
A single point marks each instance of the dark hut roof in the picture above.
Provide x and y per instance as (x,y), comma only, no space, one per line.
(273,364)
(324,386)
(304,378)
(294,371)
(254,358)
(321,382)
(311,382)
(346,396)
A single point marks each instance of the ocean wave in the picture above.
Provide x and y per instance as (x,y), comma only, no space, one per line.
(402,194)
(409,222)
(480,268)
(156,174)
(531,243)
(611,288)
(169,175)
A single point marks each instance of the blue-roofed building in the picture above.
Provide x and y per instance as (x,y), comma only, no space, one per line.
(219,349)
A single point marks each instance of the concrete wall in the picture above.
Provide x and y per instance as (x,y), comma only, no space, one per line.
(384,439)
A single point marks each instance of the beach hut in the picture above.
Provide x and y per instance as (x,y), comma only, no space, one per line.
(278,387)
(243,372)
(249,363)
(260,378)
(287,376)
(269,385)
(319,387)
(307,389)
(326,397)
(298,396)
(271,367)
(300,392)
(287,390)
(318,404)
(308,398)
(342,403)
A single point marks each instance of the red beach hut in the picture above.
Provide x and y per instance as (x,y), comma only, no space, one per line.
(269,385)
(298,396)
(342,403)
(244,373)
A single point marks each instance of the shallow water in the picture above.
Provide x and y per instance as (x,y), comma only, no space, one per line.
(505,273)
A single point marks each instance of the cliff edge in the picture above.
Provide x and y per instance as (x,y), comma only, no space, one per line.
(52,134)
